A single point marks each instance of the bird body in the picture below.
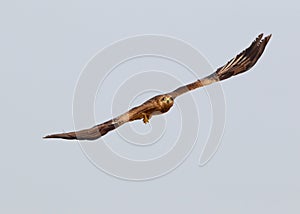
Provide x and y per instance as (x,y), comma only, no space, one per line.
(161,104)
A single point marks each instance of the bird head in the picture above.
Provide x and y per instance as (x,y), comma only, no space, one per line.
(166,101)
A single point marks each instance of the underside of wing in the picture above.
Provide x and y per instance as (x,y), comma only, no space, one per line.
(91,133)
(239,64)
(99,130)
(245,60)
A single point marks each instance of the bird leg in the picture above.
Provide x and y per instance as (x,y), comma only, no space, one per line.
(146,118)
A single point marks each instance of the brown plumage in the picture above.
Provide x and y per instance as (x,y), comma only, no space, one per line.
(162,103)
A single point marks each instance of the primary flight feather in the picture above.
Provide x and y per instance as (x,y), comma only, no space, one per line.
(162,103)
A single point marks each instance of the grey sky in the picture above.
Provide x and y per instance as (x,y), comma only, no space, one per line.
(44,46)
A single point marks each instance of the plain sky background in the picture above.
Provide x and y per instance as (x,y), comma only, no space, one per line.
(45,44)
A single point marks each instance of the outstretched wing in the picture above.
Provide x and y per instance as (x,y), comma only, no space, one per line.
(239,64)
(101,129)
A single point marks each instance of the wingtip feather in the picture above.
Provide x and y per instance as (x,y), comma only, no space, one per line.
(267,38)
(260,36)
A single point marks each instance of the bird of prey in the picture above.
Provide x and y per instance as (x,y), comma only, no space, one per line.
(162,103)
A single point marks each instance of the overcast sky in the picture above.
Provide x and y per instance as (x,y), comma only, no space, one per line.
(44,46)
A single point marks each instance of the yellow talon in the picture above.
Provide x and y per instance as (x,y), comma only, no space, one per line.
(145,118)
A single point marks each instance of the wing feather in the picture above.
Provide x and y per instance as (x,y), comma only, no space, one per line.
(239,64)
(103,128)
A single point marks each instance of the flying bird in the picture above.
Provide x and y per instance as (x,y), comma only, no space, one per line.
(162,103)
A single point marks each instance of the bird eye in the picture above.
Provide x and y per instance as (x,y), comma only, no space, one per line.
(163,99)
